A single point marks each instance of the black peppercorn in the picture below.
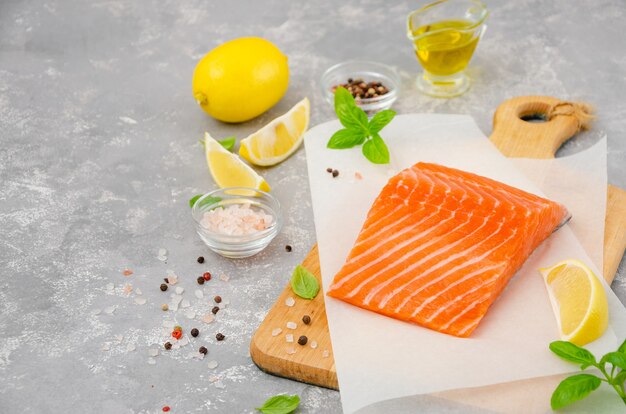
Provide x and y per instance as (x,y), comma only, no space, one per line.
(200,280)
(203,350)
(335,173)
(168,345)
(195,332)
(288,248)
(217,299)
(163,287)
(201,259)
(302,340)
(329,170)
(306,319)
(220,336)
(215,310)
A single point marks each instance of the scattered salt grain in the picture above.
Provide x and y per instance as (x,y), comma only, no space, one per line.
(119,338)
(208,318)
(127,120)
(151,361)
(110,309)
(106,346)
(212,364)
(290,350)
(127,289)
(325,354)
(220,385)
(153,352)
(173,306)
(138,291)
(276,331)
(236,219)
(292,325)
(180,290)
(313,344)
(199,294)
(96,312)
(289,338)
(290,301)
(213,378)
(224,278)
(162,258)
(130,347)
(358,175)
(162,252)
(140,301)
(183,341)
(197,355)
(110,287)
(190,314)
(185,303)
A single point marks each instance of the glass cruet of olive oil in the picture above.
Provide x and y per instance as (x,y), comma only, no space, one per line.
(445,35)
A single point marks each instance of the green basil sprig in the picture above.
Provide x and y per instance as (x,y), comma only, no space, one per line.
(280,404)
(208,200)
(227,143)
(304,284)
(579,386)
(358,130)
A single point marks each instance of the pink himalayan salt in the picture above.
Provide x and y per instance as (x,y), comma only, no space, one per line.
(236,219)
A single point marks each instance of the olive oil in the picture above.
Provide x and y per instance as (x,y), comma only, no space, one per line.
(446,47)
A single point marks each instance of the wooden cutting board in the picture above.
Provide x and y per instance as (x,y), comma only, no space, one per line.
(514,137)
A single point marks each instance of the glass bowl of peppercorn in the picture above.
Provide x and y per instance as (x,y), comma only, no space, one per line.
(237,222)
(373,85)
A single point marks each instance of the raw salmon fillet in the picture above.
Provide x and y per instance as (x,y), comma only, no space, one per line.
(439,245)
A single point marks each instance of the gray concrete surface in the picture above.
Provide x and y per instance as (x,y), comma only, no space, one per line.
(99,154)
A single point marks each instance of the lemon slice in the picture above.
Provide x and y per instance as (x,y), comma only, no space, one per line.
(227,168)
(277,140)
(578,300)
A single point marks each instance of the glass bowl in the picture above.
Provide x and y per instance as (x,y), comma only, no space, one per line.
(237,245)
(369,72)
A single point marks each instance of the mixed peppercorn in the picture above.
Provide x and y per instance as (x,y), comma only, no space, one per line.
(363,90)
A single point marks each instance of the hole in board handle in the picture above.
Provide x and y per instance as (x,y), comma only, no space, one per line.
(534,118)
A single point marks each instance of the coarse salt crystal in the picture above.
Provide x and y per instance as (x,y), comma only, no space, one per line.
(127,288)
(110,309)
(289,338)
(236,219)
(290,301)
(313,344)
(151,361)
(208,318)
(106,346)
(138,291)
(183,341)
(130,347)
(292,325)
(140,301)
(224,278)
(190,314)
(197,355)
(153,352)
(199,294)
(119,338)
(276,331)
(290,350)
(180,290)
(212,364)
(162,258)
(110,287)
(213,378)
(358,175)
(185,304)
(220,385)
(325,354)
(96,312)
(162,252)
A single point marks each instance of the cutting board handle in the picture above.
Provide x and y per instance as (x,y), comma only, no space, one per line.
(516,137)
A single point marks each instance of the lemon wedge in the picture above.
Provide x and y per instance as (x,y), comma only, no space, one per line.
(276,141)
(578,300)
(228,170)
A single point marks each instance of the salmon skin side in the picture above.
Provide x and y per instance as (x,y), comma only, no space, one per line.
(439,245)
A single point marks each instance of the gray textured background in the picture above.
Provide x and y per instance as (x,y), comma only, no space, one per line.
(99,154)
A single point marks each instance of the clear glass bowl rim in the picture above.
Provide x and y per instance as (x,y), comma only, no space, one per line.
(483,16)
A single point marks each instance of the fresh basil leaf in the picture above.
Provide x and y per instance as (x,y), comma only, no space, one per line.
(573,389)
(376,150)
(380,120)
(346,138)
(622,347)
(350,115)
(280,404)
(620,378)
(617,359)
(304,284)
(228,143)
(573,353)
(208,200)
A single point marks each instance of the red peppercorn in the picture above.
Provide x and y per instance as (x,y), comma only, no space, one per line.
(166,408)
(206,276)
(177,334)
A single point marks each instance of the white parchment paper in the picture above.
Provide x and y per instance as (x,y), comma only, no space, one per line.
(379,358)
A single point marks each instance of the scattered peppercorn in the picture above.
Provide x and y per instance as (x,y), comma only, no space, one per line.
(177,334)
(168,345)
(362,90)
(220,336)
(200,280)
(306,319)
(201,259)
(195,332)
(303,340)
(329,170)
(166,280)
(288,248)
(164,307)
(335,173)
(206,276)
(163,287)
(215,310)
(203,350)
(166,409)
(218,299)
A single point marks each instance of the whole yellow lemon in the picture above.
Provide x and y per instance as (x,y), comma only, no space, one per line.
(240,79)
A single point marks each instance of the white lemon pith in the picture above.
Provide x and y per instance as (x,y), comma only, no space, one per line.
(228,170)
(578,300)
(277,140)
